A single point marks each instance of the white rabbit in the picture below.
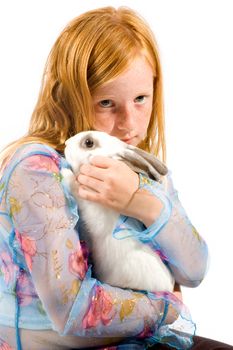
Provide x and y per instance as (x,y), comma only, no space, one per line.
(127,262)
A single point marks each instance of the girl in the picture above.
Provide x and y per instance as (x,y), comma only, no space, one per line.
(102,73)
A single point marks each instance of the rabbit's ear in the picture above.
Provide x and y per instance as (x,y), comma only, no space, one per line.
(143,162)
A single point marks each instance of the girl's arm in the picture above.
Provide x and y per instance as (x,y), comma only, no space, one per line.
(171,232)
(44,217)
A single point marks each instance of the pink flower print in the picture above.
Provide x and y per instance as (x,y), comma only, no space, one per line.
(170,297)
(148,331)
(56,158)
(7,267)
(28,246)
(78,263)
(44,163)
(161,255)
(100,310)
(25,289)
(4,345)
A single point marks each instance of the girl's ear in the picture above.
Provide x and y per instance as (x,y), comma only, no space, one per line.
(143,162)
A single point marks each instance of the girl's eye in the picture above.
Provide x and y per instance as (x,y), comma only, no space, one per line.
(140,99)
(106,103)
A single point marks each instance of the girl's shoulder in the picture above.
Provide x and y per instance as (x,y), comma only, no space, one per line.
(36,151)
(35,154)
(28,149)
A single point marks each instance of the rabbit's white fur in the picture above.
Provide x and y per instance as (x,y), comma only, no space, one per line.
(126,263)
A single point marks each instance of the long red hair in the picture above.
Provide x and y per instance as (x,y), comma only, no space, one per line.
(92,49)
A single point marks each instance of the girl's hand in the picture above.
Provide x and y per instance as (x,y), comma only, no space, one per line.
(107,181)
(177,292)
(113,184)
(172,314)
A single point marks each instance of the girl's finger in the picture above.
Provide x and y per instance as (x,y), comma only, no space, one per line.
(90,182)
(93,171)
(90,195)
(102,161)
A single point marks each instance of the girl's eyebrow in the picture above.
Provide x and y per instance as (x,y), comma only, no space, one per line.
(145,91)
(103,96)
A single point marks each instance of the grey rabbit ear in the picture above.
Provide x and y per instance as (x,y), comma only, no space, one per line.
(143,162)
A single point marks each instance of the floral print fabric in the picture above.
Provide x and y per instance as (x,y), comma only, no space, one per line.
(44,267)
(4,345)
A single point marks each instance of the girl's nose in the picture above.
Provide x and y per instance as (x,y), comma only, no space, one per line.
(126,117)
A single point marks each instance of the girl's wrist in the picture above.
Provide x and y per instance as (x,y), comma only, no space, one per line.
(150,207)
(144,207)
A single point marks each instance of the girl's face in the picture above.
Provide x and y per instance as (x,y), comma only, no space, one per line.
(123,106)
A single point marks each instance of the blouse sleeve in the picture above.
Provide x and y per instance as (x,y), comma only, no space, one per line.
(173,236)
(44,218)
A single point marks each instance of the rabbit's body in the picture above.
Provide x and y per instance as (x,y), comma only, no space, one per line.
(127,262)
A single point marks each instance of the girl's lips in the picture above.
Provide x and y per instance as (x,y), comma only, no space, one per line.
(128,140)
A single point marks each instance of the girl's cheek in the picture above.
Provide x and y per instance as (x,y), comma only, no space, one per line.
(104,125)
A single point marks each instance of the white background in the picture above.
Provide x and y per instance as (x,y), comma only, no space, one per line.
(196,45)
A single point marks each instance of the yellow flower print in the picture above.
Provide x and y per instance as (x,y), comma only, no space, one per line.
(40,308)
(15,206)
(127,307)
(70,294)
(145,180)
(196,234)
(75,288)
(69,244)
(57,176)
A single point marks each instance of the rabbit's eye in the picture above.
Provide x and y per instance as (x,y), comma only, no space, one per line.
(89,143)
